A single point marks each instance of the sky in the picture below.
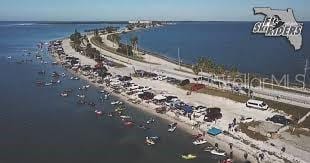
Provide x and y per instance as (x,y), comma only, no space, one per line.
(123,10)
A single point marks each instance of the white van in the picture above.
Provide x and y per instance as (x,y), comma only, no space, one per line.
(257,104)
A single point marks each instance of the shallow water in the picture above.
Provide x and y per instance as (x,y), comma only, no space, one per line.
(38,125)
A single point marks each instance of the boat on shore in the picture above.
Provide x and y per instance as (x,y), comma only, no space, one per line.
(200,141)
(189,156)
(217,152)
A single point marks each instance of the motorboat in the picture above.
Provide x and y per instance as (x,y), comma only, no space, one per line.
(64,94)
(75,78)
(116,103)
(106,97)
(119,109)
(189,156)
(125,117)
(149,141)
(150,121)
(87,86)
(129,123)
(172,127)
(200,141)
(110,114)
(48,84)
(218,152)
(98,112)
(81,96)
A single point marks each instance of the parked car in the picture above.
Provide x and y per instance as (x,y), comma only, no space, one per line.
(246,120)
(279,119)
(257,104)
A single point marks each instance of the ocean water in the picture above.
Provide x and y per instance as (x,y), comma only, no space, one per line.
(37,125)
(228,43)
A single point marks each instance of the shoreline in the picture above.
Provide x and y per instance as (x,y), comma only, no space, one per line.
(222,141)
(185,127)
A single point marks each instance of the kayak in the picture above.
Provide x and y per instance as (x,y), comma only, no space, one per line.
(189,157)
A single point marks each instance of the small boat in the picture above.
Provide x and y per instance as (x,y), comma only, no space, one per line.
(189,157)
(110,114)
(9,57)
(150,121)
(218,152)
(48,84)
(149,141)
(81,96)
(63,74)
(129,123)
(98,112)
(119,109)
(64,94)
(106,97)
(75,78)
(200,141)
(87,86)
(172,127)
(125,117)
(116,103)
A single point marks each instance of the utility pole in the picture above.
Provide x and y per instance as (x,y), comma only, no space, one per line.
(179,58)
(305,73)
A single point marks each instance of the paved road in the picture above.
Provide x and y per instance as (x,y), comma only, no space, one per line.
(169,69)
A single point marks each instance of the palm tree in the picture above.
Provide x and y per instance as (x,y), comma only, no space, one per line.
(116,38)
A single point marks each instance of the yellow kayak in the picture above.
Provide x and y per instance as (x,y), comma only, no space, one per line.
(189,157)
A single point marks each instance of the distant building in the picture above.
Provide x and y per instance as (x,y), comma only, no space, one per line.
(140,22)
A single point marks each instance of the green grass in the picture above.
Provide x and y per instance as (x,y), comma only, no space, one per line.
(112,50)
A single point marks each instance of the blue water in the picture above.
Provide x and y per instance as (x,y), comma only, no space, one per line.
(39,126)
(228,43)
